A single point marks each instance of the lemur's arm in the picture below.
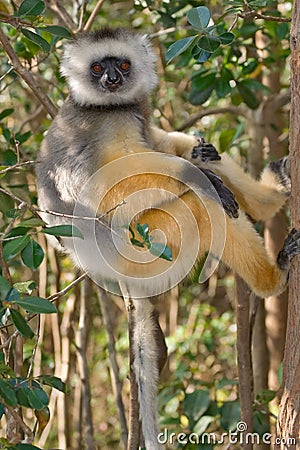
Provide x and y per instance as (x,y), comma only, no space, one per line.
(260,199)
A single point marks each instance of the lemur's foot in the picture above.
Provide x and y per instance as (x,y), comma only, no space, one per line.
(226,197)
(281,169)
(291,248)
(204,152)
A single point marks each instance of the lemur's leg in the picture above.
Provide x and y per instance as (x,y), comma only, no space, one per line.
(260,199)
(243,250)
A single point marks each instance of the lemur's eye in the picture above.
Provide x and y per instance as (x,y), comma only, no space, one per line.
(125,66)
(97,68)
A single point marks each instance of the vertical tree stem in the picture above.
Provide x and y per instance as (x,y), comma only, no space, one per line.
(288,426)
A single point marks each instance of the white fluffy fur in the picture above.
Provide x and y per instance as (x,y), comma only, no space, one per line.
(80,54)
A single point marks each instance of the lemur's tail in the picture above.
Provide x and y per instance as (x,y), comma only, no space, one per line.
(146,370)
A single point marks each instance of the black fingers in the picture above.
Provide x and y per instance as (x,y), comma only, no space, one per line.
(291,248)
(227,199)
(282,170)
(205,152)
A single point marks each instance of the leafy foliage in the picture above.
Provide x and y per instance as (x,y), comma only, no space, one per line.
(155,248)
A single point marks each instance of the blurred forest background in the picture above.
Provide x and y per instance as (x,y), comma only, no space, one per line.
(66,372)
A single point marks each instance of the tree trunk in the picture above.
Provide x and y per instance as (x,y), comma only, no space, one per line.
(288,426)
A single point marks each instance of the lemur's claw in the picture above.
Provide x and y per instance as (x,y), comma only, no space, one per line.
(226,197)
(281,169)
(291,248)
(205,152)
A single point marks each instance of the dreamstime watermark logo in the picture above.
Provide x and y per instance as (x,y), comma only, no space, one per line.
(239,436)
(172,195)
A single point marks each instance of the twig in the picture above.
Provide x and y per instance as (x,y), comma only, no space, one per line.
(27,76)
(208,112)
(93,15)
(6,73)
(35,210)
(14,21)
(37,338)
(16,166)
(67,288)
(59,9)
(31,116)
(252,14)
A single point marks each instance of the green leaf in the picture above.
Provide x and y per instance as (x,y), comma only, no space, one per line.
(22,137)
(54,382)
(12,248)
(202,87)
(32,222)
(196,404)
(203,56)
(63,230)
(25,287)
(230,415)
(223,87)
(32,255)
(13,213)
(161,250)
(21,324)
(226,38)
(137,243)
(5,288)
(13,295)
(203,424)
(22,396)
(2,410)
(37,398)
(17,231)
(247,94)
(143,231)
(38,40)
(6,112)
(36,305)
(31,8)
(8,393)
(199,17)
(209,43)
(26,447)
(179,47)
(57,31)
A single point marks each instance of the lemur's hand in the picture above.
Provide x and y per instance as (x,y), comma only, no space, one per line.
(281,169)
(291,248)
(204,152)
(226,197)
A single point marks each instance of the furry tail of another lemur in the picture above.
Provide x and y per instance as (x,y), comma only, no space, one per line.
(146,369)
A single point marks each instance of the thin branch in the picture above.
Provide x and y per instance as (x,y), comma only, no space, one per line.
(209,112)
(57,7)
(13,21)
(31,116)
(35,210)
(252,14)
(256,15)
(27,76)
(93,15)
(67,288)
(16,166)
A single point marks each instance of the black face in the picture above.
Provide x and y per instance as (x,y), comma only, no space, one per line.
(111,72)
